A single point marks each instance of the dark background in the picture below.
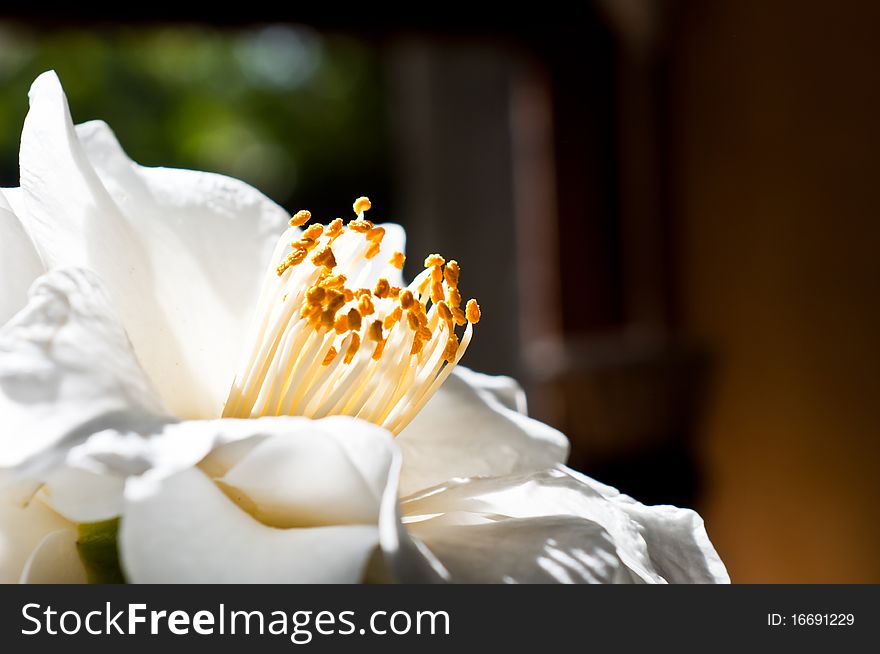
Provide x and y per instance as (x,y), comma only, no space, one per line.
(667,209)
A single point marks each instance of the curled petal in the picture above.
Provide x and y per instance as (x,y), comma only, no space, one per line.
(81,495)
(332,472)
(184,529)
(55,561)
(677,541)
(466,431)
(24,530)
(66,371)
(654,544)
(19,263)
(504,389)
(298,500)
(182,252)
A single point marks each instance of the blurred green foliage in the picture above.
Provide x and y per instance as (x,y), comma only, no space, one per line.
(299,114)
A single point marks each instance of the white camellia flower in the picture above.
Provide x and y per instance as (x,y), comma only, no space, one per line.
(301,422)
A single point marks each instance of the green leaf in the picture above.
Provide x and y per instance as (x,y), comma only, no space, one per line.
(99,552)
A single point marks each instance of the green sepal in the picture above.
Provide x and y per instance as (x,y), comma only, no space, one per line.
(98,550)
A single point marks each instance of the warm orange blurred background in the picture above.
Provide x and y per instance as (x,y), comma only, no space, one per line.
(775,109)
(670,211)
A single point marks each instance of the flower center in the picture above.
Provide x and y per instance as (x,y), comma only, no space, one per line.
(324,344)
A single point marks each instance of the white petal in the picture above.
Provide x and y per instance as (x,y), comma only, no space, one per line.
(215,445)
(17,489)
(677,541)
(22,529)
(670,554)
(82,495)
(86,481)
(328,472)
(503,388)
(465,431)
(19,263)
(55,561)
(405,559)
(554,549)
(66,371)
(182,252)
(183,529)
(219,446)
(224,457)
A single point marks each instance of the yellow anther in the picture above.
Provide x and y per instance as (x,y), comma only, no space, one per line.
(397,260)
(361,226)
(417,346)
(335,228)
(473,312)
(328,318)
(421,315)
(297,256)
(300,218)
(365,305)
(443,310)
(374,332)
(333,281)
(380,348)
(412,320)
(363,291)
(383,288)
(454,297)
(436,275)
(349,294)
(335,300)
(451,272)
(341,324)
(362,204)
(294,258)
(354,320)
(310,310)
(315,295)
(353,347)
(376,234)
(395,292)
(373,250)
(324,257)
(331,354)
(314,231)
(406,299)
(434,260)
(458,316)
(451,348)
(392,318)
(424,333)
(437,294)
(307,244)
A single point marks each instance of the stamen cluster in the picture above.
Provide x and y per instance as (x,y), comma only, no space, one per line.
(334,336)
